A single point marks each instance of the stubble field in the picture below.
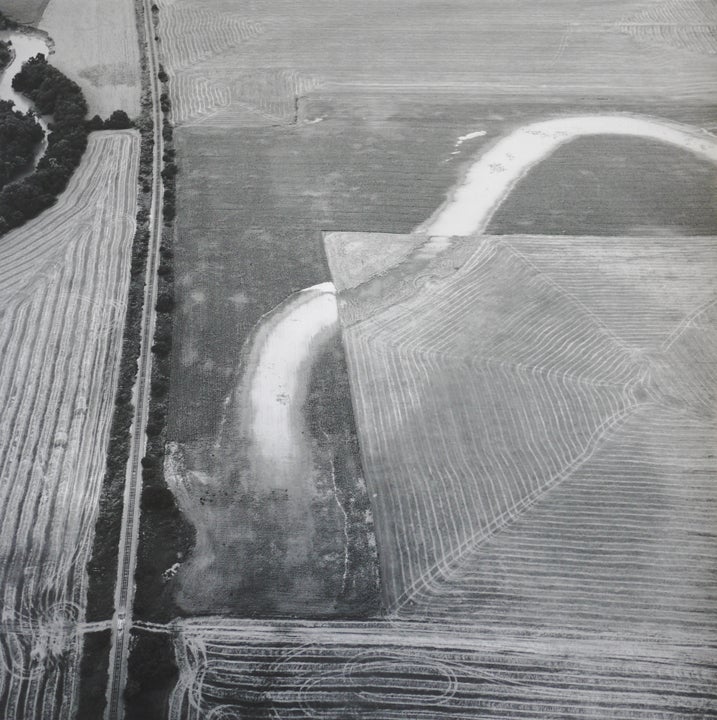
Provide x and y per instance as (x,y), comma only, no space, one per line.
(64,280)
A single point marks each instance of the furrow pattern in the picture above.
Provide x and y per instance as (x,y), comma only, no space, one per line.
(376,670)
(59,343)
(689,25)
(466,421)
(193,34)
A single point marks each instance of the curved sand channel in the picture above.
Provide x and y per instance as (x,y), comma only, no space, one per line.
(488,182)
(276,381)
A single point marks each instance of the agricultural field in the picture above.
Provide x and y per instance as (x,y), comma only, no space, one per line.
(596,185)
(96,45)
(444,284)
(385,670)
(253,64)
(542,353)
(63,286)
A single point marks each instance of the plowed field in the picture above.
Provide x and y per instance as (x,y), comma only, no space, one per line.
(64,280)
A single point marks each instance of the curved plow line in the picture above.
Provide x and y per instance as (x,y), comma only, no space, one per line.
(195,35)
(196,98)
(686,323)
(58,326)
(447,565)
(545,277)
(488,182)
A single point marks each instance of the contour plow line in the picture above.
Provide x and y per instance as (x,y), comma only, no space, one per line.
(445,567)
(466,213)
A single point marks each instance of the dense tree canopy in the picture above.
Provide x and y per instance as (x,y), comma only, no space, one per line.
(19,135)
(5,54)
(52,94)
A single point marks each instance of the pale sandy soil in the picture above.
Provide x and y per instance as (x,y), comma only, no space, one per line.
(96,45)
(277,378)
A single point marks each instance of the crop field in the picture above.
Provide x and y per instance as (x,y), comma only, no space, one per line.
(595,186)
(281,512)
(483,233)
(534,355)
(237,276)
(380,670)
(234,66)
(64,280)
(96,45)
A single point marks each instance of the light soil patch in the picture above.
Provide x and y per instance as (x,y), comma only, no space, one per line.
(96,44)
(275,383)
(60,341)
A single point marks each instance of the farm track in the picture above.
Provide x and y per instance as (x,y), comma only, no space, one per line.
(129,532)
(60,337)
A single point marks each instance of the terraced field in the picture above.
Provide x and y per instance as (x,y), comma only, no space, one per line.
(64,280)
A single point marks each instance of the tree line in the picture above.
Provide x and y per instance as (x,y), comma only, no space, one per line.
(19,135)
(52,93)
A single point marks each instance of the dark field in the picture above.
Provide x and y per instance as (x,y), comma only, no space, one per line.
(24,11)
(613,186)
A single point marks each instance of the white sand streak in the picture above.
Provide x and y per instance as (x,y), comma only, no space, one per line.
(277,376)
(488,182)
(59,344)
